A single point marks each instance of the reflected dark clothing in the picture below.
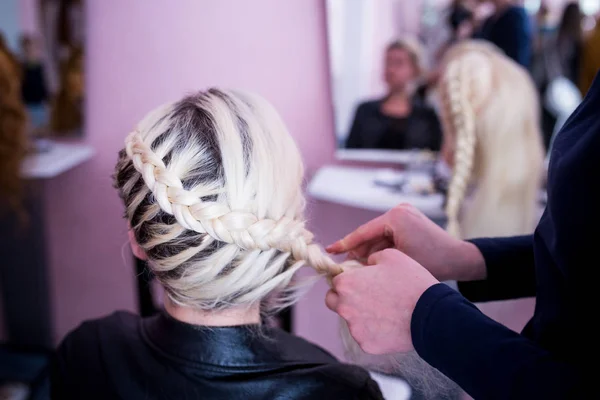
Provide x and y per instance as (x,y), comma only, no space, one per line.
(557,349)
(372,129)
(512,32)
(126,357)
(33,88)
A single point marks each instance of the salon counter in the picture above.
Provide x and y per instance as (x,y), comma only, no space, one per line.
(359,188)
(55,159)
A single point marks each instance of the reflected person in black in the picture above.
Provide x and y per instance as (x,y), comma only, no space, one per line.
(398,121)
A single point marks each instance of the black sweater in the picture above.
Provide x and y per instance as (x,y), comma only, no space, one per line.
(372,129)
(556,351)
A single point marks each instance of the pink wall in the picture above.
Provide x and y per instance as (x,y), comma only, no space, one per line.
(141,54)
(29,16)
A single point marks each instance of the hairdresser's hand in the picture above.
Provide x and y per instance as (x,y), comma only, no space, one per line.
(405,228)
(378,301)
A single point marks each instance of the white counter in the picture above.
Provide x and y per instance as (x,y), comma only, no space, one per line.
(355,187)
(59,158)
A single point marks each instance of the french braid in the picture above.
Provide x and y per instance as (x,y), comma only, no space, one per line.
(212,190)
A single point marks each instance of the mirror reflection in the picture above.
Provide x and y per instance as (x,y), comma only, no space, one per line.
(378,72)
(49,63)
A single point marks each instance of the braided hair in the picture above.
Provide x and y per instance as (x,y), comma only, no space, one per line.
(212,190)
(490,118)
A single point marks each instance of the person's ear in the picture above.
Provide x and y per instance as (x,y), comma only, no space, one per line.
(135,247)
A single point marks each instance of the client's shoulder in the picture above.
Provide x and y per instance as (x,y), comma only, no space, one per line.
(79,364)
(87,338)
(314,363)
(119,323)
(370,105)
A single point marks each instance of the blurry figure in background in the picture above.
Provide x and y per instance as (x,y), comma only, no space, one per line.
(8,54)
(544,28)
(13,143)
(590,58)
(558,60)
(33,89)
(398,121)
(492,143)
(461,23)
(67,108)
(569,42)
(509,28)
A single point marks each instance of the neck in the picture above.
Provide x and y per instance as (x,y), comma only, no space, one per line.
(228,317)
(399,95)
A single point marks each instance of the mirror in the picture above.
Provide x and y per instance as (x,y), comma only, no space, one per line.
(62,27)
(368,64)
(49,57)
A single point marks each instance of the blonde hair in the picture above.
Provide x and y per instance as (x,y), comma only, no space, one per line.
(414,48)
(212,189)
(491,118)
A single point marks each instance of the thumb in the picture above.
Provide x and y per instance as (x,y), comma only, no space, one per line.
(376,258)
(385,255)
(332,300)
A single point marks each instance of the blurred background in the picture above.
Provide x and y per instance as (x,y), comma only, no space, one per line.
(83,72)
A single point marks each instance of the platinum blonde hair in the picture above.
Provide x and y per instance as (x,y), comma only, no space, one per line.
(490,113)
(212,189)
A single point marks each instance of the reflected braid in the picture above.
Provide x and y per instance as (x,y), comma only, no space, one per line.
(460,119)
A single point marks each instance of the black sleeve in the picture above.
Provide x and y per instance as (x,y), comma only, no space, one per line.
(510,270)
(355,138)
(486,359)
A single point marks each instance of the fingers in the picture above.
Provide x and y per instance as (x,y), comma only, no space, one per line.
(363,251)
(374,229)
(332,300)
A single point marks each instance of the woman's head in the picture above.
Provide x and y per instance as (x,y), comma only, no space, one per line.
(212,189)
(403,64)
(460,21)
(491,132)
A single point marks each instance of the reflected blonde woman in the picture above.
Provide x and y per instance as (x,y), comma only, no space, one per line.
(494,144)
(212,187)
(492,141)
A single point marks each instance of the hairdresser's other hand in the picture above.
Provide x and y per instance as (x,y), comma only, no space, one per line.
(406,229)
(378,301)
